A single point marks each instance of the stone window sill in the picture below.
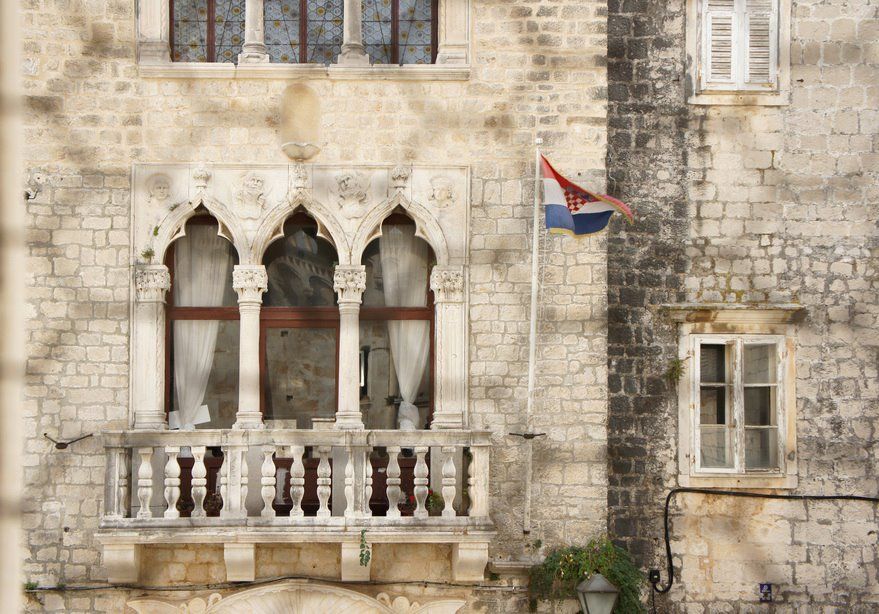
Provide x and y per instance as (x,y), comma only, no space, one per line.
(754,99)
(732,481)
(204,70)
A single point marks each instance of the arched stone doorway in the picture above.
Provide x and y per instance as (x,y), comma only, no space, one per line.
(295,597)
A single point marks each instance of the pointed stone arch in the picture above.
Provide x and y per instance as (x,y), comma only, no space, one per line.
(174,225)
(272,226)
(426,227)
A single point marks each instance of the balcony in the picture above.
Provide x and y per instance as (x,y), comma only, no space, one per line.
(242,488)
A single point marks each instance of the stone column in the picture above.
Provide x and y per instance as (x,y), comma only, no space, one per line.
(153,32)
(249,281)
(447,283)
(454,26)
(349,282)
(151,282)
(253,51)
(353,53)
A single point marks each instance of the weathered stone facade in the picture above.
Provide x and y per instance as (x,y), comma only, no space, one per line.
(747,204)
(734,204)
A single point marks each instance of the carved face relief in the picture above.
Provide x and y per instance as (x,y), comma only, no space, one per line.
(442,194)
(350,192)
(159,188)
(251,198)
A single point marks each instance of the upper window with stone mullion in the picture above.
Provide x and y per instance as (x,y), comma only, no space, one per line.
(206,30)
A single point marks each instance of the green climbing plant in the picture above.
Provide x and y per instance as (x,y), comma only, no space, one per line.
(563,569)
(675,370)
(365,551)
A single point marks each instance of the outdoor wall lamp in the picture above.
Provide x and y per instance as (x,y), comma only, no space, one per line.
(597,595)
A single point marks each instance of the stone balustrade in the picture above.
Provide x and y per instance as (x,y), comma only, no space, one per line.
(288,486)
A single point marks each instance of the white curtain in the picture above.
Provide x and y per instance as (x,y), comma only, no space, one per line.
(404,261)
(201,272)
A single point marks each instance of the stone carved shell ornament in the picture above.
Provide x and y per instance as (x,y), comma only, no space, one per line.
(295,597)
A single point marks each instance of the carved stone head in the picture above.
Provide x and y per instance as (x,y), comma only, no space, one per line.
(159,187)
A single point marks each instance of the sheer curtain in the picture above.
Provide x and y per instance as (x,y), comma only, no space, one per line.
(404,261)
(201,271)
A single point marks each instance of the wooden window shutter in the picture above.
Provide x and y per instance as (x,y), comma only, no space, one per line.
(761,43)
(719,25)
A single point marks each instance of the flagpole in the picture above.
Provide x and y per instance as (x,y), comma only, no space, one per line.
(532,338)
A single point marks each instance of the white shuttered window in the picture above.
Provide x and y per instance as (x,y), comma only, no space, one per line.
(739,45)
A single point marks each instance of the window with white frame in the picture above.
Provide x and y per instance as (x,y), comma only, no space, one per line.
(737,395)
(739,47)
(739,403)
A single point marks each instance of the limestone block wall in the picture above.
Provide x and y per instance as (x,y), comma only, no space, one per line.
(538,70)
(765,205)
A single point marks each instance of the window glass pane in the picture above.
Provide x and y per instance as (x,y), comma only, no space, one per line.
(716,448)
(203,263)
(760,365)
(324,30)
(300,382)
(300,268)
(229,29)
(377,35)
(713,405)
(204,373)
(393,378)
(416,34)
(712,363)
(760,406)
(282,29)
(761,448)
(397,268)
(190,31)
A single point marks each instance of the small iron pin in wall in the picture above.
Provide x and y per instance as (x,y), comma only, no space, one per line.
(527,436)
(62,445)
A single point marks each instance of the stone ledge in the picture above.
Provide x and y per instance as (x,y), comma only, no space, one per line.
(768,313)
(216,70)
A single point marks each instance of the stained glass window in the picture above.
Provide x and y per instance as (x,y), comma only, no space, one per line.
(399,31)
(193,41)
(282,30)
(324,40)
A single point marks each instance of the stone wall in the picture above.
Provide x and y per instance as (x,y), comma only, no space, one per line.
(538,70)
(764,205)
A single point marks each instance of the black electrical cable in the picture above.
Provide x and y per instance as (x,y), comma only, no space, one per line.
(654,574)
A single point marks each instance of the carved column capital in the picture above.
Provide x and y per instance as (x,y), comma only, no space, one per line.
(250,281)
(350,282)
(151,282)
(447,284)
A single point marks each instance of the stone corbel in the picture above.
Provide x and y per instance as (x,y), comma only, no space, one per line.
(122,563)
(352,570)
(469,561)
(240,562)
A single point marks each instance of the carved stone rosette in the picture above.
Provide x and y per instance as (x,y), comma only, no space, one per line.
(447,284)
(250,282)
(151,282)
(350,282)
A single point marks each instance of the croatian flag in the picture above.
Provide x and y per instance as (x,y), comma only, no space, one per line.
(572,210)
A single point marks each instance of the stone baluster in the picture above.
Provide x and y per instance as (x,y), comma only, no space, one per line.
(421,483)
(145,482)
(254,51)
(297,481)
(447,283)
(349,282)
(172,482)
(117,486)
(324,480)
(478,481)
(367,488)
(393,481)
(234,481)
(353,52)
(268,481)
(448,481)
(350,510)
(250,282)
(199,481)
(151,282)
